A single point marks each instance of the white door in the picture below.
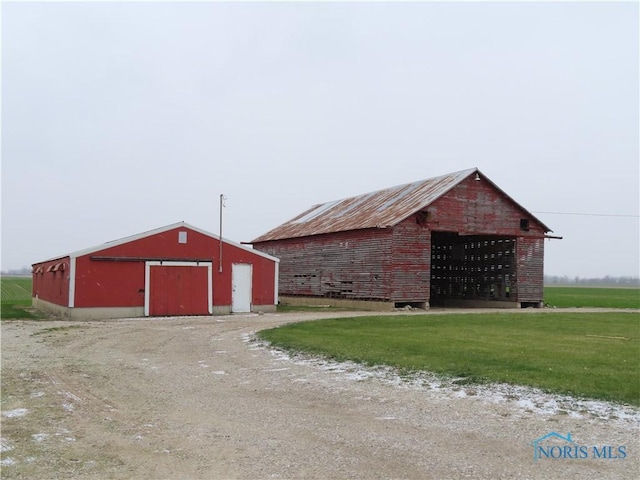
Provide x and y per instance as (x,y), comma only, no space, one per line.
(241,276)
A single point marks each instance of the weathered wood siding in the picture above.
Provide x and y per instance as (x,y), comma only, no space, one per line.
(411,262)
(353,264)
(530,275)
(394,264)
(477,208)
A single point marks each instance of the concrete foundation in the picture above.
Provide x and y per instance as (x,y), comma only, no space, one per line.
(98,313)
(390,306)
(338,302)
(105,313)
(226,309)
(458,303)
(56,310)
(264,308)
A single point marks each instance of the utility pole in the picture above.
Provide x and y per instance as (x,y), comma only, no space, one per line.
(222,199)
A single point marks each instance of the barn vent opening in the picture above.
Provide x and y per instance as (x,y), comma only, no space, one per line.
(410,305)
(530,305)
(472,270)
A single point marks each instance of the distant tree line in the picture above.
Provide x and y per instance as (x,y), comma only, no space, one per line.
(17,271)
(607,280)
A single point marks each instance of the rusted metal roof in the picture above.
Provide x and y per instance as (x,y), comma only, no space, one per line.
(380,209)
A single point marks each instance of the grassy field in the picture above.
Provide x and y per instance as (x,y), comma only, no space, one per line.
(16,297)
(591,355)
(569,296)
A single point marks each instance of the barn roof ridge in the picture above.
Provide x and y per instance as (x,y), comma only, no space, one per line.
(148,233)
(468,171)
(382,208)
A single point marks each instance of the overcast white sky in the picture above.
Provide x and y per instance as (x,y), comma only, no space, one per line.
(119,118)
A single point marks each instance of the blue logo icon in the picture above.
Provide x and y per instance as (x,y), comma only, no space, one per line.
(556,446)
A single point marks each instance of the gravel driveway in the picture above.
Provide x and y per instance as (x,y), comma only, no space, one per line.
(181,398)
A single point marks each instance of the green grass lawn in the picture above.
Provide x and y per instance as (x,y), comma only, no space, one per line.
(592,355)
(16,298)
(566,296)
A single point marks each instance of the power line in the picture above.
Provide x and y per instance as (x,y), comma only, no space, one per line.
(590,214)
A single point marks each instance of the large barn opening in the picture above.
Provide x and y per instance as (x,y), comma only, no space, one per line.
(472,270)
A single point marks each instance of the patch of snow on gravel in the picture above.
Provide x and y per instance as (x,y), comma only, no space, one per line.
(18,412)
(526,399)
(39,437)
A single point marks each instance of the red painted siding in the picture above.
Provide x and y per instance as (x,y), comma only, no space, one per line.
(263,283)
(108,284)
(166,245)
(52,286)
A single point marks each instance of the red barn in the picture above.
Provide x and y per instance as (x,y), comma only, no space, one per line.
(174,270)
(454,240)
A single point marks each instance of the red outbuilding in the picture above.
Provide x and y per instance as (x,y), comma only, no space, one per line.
(174,270)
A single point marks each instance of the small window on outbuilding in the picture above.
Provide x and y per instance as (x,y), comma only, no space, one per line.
(182,237)
(524,224)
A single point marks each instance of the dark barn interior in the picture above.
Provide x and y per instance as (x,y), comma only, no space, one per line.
(472,267)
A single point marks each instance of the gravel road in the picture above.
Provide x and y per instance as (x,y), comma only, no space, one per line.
(182,398)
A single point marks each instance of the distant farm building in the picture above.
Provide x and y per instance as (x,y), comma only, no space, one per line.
(454,240)
(173,270)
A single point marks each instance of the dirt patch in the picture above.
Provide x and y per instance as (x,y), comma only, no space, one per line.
(200,398)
